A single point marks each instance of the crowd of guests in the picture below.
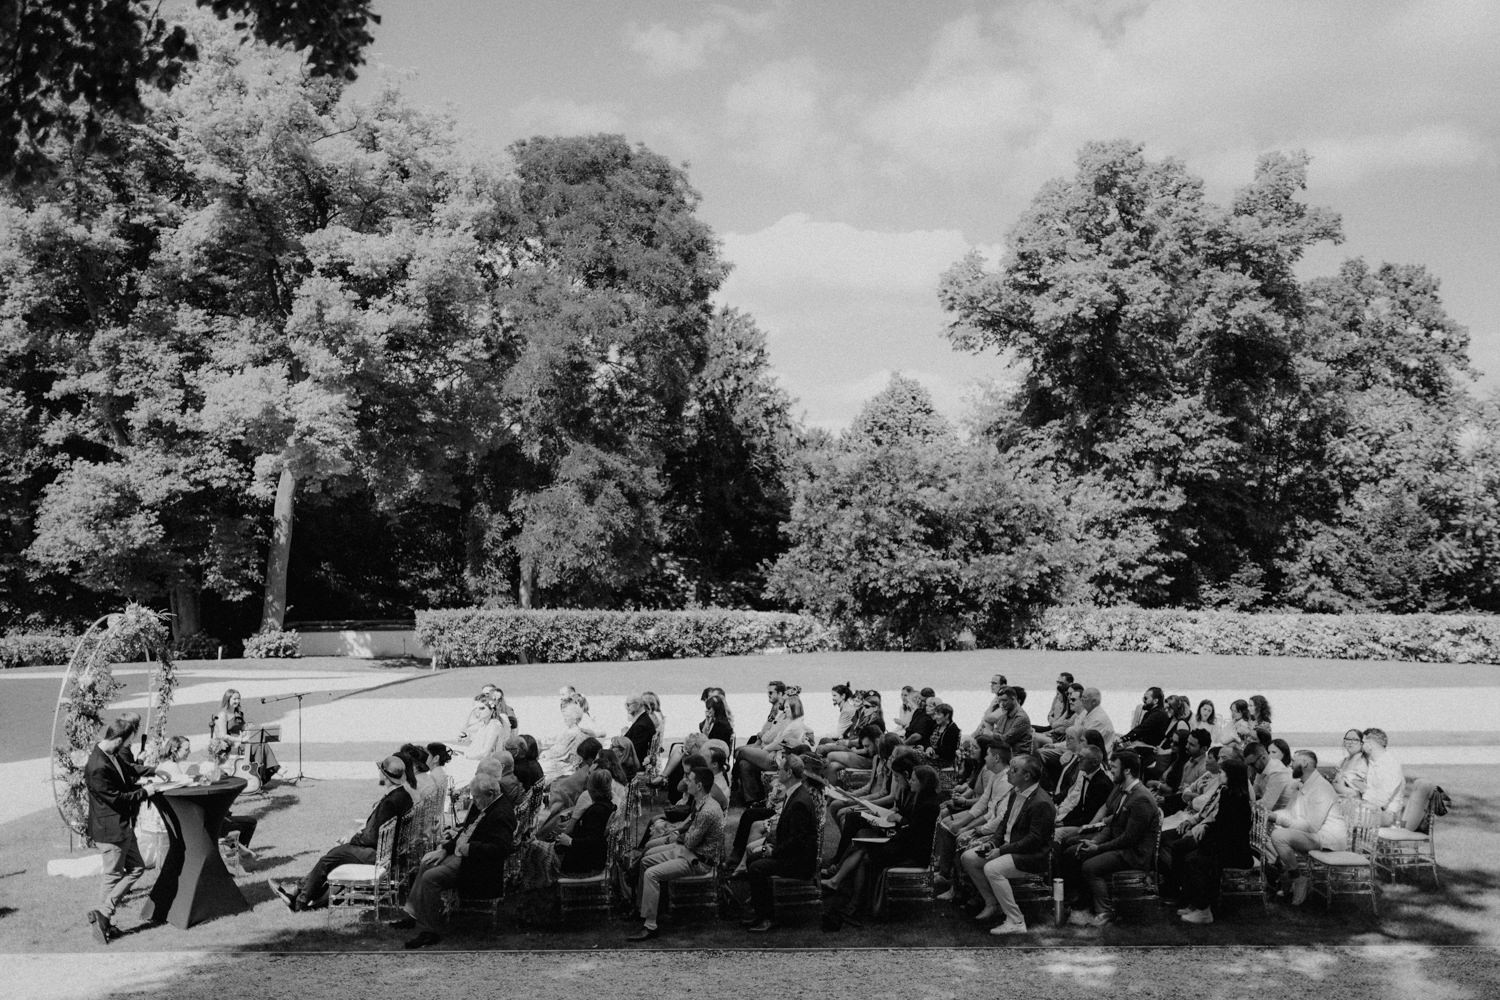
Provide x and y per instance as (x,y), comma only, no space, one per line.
(1064,795)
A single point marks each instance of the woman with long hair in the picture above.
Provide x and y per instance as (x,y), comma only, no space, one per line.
(229,725)
(1260,710)
(915,817)
(583,842)
(1222,841)
(1349,779)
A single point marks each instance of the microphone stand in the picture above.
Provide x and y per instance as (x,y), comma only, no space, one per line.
(299,695)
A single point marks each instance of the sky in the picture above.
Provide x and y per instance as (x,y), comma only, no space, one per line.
(849,151)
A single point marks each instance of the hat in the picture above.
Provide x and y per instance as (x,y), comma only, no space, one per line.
(814,768)
(392,767)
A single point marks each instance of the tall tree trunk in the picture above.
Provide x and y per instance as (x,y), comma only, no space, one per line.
(187,618)
(273,613)
(528,583)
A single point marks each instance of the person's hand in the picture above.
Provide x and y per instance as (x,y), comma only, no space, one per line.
(1087,847)
(433,856)
(565,840)
(151,790)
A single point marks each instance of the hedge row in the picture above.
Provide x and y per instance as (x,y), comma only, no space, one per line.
(1421,638)
(470,637)
(35,650)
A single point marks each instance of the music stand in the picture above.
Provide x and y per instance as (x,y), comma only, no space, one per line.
(299,695)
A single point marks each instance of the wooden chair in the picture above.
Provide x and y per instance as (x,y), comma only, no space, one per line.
(355,885)
(1398,849)
(1350,872)
(1255,880)
(797,895)
(696,897)
(1135,884)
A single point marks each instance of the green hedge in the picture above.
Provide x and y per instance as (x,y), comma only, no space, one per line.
(470,637)
(35,650)
(276,644)
(1422,638)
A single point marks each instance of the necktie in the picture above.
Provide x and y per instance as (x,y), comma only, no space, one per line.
(1010,803)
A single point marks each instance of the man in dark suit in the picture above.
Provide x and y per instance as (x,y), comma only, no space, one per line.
(1080,800)
(1020,846)
(472,861)
(795,851)
(642,727)
(360,848)
(1126,839)
(115,798)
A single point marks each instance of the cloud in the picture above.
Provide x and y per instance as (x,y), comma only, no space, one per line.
(775,116)
(1017,92)
(843,307)
(670,51)
(562,116)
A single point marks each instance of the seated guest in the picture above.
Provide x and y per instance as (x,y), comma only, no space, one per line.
(791,734)
(1058,712)
(563,793)
(1060,768)
(795,853)
(229,724)
(1073,717)
(876,791)
(915,817)
(470,860)
(903,761)
(922,724)
(694,744)
(1222,841)
(1206,717)
(776,695)
(1096,718)
(968,767)
(956,821)
(560,755)
(484,698)
(868,713)
(1384,785)
(911,703)
(985,727)
(625,753)
(942,743)
(357,849)
(1148,733)
(1010,722)
(848,704)
(642,728)
(524,750)
(696,851)
(1081,801)
(1272,779)
(1350,777)
(1260,710)
(863,757)
(1312,821)
(1125,839)
(583,842)
(716,725)
(1193,765)
(1019,846)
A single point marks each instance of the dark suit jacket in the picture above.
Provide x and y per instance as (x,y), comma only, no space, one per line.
(945,746)
(1100,786)
(482,871)
(639,734)
(1132,828)
(1151,730)
(392,805)
(721,730)
(1031,836)
(912,843)
(114,798)
(796,847)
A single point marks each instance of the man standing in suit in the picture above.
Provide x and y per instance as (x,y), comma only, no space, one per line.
(358,849)
(1019,847)
(1126,840)
(473,861)
(795,852)
(114,797)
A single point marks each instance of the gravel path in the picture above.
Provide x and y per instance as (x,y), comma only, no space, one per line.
(1397,972)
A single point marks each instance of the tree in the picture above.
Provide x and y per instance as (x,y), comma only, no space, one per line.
(905,537)
(67,66)
(1151,325)
(606,276)
(727,490)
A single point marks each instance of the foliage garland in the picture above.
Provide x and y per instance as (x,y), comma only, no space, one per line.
(89,686)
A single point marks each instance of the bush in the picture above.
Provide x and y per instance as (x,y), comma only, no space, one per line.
(198,646)
(27,650)
(470,637)
(1420,638)
(280,644)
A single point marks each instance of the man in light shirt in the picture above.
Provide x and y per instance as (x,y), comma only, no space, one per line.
(1273,785)
(1385,781)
